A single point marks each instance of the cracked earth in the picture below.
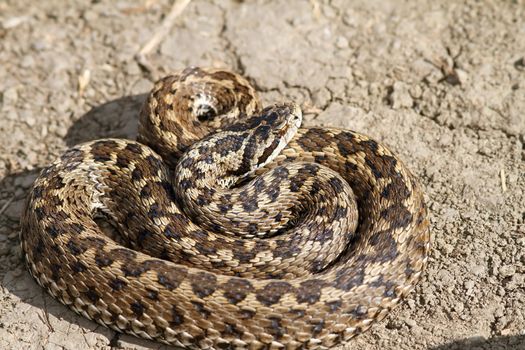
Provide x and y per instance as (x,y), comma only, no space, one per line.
(441,83)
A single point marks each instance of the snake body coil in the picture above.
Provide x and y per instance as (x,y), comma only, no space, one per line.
(235,229)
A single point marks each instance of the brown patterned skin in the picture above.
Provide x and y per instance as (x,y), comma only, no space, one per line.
(171,280)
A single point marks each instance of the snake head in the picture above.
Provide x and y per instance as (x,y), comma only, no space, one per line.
(236,152)
(272,129)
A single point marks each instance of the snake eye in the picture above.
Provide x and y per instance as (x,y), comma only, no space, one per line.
(205,113)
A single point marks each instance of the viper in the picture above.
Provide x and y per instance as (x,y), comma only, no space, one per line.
(235,227)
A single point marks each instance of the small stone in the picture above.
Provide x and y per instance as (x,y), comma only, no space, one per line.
(61,131)
(341,42)
(20,192)
(90,16)
(478,270)
(91,339)
(445,277)
(416,91)
(400,96)
(329,12)
(14,259)
(500,290)
(10,114)
(17,272)
(27,62)
(14,210)
(459,307)
(507,271)
(506,331)
(141,86)
(131,67)
(410,323)
(448,248)
(4,248)
(499,312)
(9,96)
(27,117)
(394,324)
(13,22)
(469,285)
(16,250)
(462,76)
(25,181)
(516,281)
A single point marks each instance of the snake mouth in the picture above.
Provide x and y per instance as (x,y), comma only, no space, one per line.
(292,123)
(282,136)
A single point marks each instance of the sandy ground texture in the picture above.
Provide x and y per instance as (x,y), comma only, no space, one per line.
(441,83)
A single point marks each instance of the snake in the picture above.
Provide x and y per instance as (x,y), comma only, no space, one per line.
(232,226)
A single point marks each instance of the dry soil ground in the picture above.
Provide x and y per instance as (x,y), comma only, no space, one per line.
(442,83)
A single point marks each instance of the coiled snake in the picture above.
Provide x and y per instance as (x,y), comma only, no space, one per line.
(235,228)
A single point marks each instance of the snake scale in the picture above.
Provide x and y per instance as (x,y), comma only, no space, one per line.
(233,227)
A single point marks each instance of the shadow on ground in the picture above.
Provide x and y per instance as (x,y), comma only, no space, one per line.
(497,343)
(117,118)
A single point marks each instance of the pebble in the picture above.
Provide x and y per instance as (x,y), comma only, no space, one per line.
(25,181)
(400,96)
(469,285)
(141,86)
(27,62)
(394,324)
(416,91)
(13,22)
(462,76)
(445,277)
(478,270)
(507,271)
(39,45)
(16,250)
(4,248)
(410,323)
(27,117)
(90,16)
(329,12)
(459,307)
(9,96)
(17,272)
(341,42)
(14,210)
(61,130)
(131,67)
(20,192)
(516,281)
(507,331)
(448,248)
(11,114)
(91,340)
